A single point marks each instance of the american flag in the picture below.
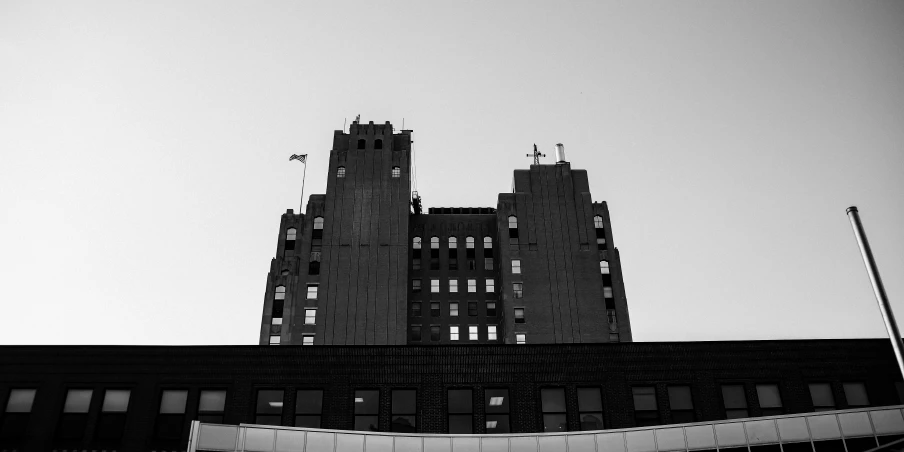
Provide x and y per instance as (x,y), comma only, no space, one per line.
(301,158)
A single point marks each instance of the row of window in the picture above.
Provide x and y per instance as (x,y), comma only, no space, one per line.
(396,172)
(378,143)
(453,310)
(473,334)
(416,243)
(452,285)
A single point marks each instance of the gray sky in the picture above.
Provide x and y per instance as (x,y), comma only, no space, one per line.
(145,150)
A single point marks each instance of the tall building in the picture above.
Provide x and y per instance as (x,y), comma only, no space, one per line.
(364,266)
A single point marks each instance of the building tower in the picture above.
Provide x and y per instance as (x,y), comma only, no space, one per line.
(359,267)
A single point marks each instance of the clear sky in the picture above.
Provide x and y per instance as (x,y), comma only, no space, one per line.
(145,150)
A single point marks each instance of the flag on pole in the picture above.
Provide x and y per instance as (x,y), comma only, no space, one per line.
(301,158)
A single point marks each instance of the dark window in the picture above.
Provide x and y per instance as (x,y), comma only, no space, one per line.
(518,290)
(488,247)
(317,233)
(269,408)
(434,333)
(415,285)
(552,401)
(519,315)
(488,263)
(290,239)
(308,407)
(461,411)
(367,410)
(513,232)
(404,410)
(855,393)
(472,264)
(15,416)
(361,143)
(497,410)
(646,410)
(491,309)
(212,406)
(314,266)
(821,394)
(396,172)
(112,421)
(416,263)
(416,309)
(590,407)
(75,414)
(340,172)
(171,417)
(681,404)
(735,401)
(453,263)
(434,309)
(472,308)
(770,399)
(434,263)
(378,144)
(415,332)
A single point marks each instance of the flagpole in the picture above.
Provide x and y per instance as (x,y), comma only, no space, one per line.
(303,174)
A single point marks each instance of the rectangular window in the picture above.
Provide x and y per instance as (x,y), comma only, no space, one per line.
(607,292)
(496,405)
(112,421)
(472,285)
(601,243)
(453,333)
(277,312)
(75,414)
(308,407)
(396,172)
(269,408)
(590,407)
(552,402)
(472,332)
(274,340)
(434,333)
(770,399)
(171,417)
(434,286)
(516,266)
(735,401)
(416,309)
(310,315)
(855,393)
(312,291)
(415,285)
(404,410)
(461,411)
(472,308)
(453,309)
(613,337)
(681,404)
(416,263)
(518,289)
(415,332)
(472,265)
(491,285)
(434,309)
(491,332)
(367,410)
(521,338)
(519,315)
(491,309)
(212,406)
(453,263)
(821,394)
(15,417)
(488,263)
(646,410)
(453,285)
(307,339)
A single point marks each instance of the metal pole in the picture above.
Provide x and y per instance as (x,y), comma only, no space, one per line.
(873,271)
(303,174)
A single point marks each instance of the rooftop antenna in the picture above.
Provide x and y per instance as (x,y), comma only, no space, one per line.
(536,155)
(344,123)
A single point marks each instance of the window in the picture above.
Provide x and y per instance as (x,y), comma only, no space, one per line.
(453,333)
(310,316)
(317,234)
(269,408)
(274,339)
(290,239)
(307,339)
(171,417)
(491,332)
(378,144)
(416,243)
(519,315)
(416,309)
(276,310)
(415,285)
(601,243)
(491,285)
(396,172)
(340,172)
(308,407)
(516,266)
(314,263)
(434,286)
(212,406)
(518,289)
(513,222)
(855,393)
(496,405)
(434,243)
(453,253)
(416,263)
(461,411)
(488,263)
(112,421)
(491,309)
(361,143)
(469,242)
(312,291)
(415,333)
(367,410)
(472,333)
(472,285)
(434,309)
(453,243)
(613,337)
(75,414)
(604,267)
(513,232)
(434,333)
(821,394)
(607,292)
(453,309)
(646,410)
(453,285)
(735,401)
(280,293)
(552,401)
(488,247)
(681,404)
(404,410)
(472,308)
(598,222)
(590,408)
(521,338)
(770,399)
(16,413)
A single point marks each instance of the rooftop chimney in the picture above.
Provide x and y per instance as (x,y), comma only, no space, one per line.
(560,153)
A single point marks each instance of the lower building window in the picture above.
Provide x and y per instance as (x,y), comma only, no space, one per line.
(735,401)
(646,410)
(112,421)
(590,408)
(416,309)
(307,339)
(488,263)
(434,333)
(453,309)
(274,340)
(15,416)
(518,290)
(453,333)
(821,394)
(404,410)
(212,406)
(171,417)
(415,333)
(770,399)
(308,407)
(496,406)
(367,410)
(75,414)
(519,315)
(855,393)
(472,333)
(491,309)
(491,332)
(552,402)
(269,408)
(461,411)
(520,338)
(310,316)
(472,308)
(434,309)
(681,404)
